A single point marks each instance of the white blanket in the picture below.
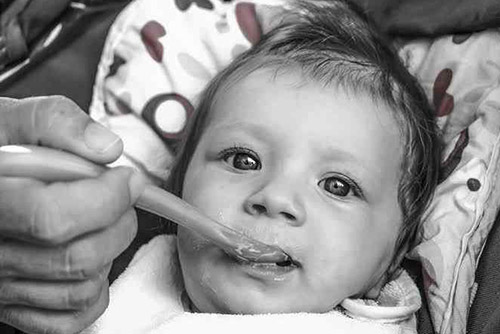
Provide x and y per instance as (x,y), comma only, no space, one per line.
(147,298)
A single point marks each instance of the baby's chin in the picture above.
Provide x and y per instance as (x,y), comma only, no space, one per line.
(242,306)
(245,302)
(259,309)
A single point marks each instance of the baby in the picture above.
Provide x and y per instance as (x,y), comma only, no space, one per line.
(316,140)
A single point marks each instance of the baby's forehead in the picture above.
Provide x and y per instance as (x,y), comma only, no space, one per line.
(296,79)
(286,103)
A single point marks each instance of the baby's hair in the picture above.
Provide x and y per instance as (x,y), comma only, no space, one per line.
(332,43)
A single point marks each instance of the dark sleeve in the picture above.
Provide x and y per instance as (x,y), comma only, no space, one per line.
(5,329)
(80,41)
(431,17)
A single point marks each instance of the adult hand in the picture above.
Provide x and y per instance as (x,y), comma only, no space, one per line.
(58,241)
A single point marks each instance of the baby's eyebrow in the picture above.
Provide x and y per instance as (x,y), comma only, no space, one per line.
(247,128)
(356,165)
(326,150)
(330,153)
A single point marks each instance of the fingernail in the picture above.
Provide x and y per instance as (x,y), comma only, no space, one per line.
(136,185)
(99,138)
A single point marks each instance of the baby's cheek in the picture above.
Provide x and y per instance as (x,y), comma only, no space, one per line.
(200,188)
(213,200)
(188,245)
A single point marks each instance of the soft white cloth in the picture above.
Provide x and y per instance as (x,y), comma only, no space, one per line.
(147,298)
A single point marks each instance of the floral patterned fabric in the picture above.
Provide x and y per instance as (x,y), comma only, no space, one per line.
(461,75)
(160,54)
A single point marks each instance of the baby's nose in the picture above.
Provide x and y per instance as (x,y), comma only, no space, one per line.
(277,203)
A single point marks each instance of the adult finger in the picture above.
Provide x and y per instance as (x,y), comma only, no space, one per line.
(37,320)
(57,122)
(53,295)
(56,213)
(80,259)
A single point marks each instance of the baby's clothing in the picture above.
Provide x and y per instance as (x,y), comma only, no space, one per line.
(149,298)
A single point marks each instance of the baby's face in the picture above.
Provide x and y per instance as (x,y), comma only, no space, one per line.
(312,170)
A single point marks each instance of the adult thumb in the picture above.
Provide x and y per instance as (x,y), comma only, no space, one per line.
(57,122)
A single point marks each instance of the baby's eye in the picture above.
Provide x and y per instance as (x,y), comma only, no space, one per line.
(336,186)
(241,159)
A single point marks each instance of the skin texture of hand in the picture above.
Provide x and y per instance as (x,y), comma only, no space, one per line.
(58,241)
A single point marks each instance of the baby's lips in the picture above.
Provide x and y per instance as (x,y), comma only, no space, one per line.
(245,248)
(261,253)
(273,254)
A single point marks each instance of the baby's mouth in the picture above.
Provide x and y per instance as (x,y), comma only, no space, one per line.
(288,262)
(248,250)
